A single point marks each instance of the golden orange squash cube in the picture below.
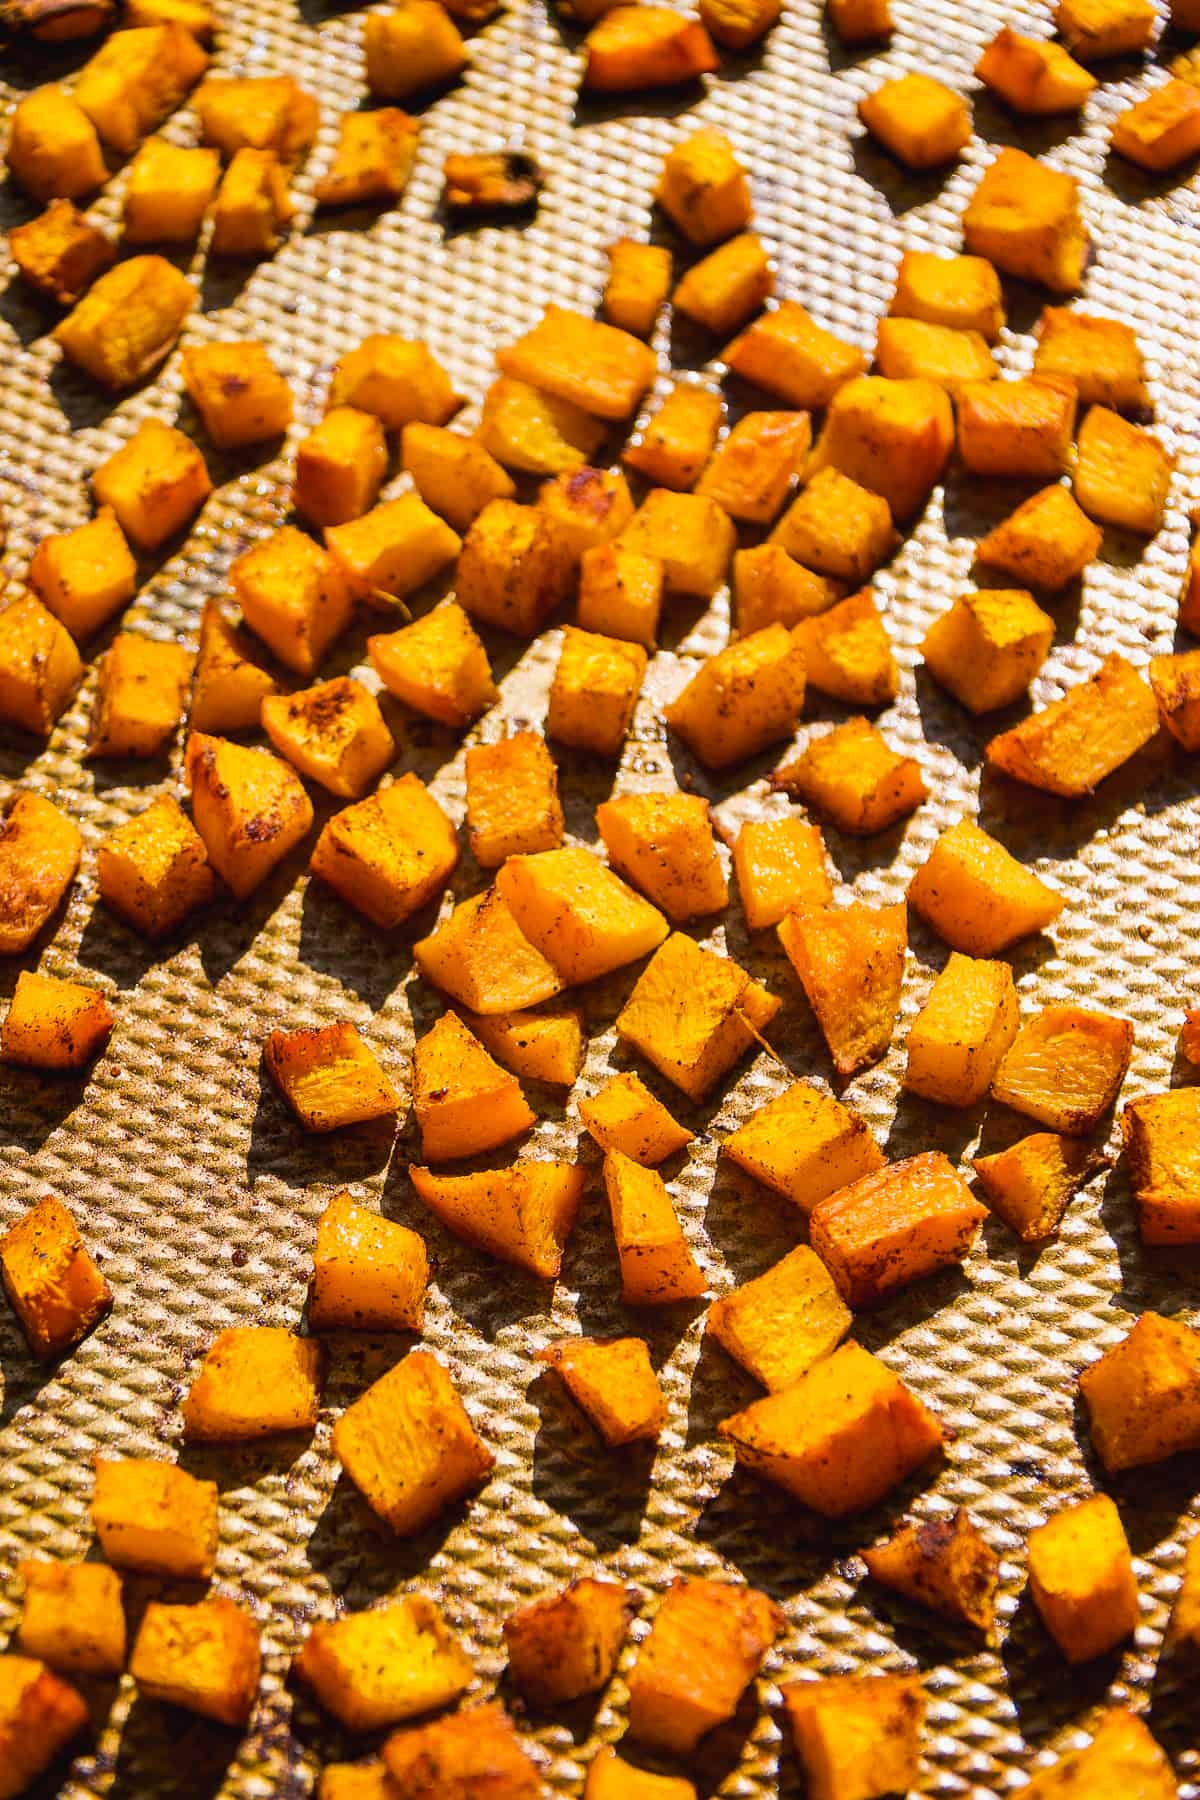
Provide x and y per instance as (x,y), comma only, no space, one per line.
(238,392)
(1081,1578)
(1121,1759)
(369,1274)
(72,1617)
(254,1381)
(136,78)
(1143,1395)
(988,647)
(639,280)
(704,1649)
(1095,29)
(480,956)
(39,859)
(943,1563)
(780,864)
(852,776)
(140,696)
(54,1024)
(848,653)
(592,506)
(53,148)
(256,112)
(1046,543)
(703,188)
(542,434)
(1019,429)
(860,21)
(567,1645)
(154,484)
(727,286)
(664,845)
(594,366)
(693,1014)
(620,594)
(595,691)
(390,854)
(464,1102)
(678,441)
(1162,1143)
(789,354)
(470,1752)
(374,158)
(850,963)
(151,1515)
(39,1715)
(577,913)
(1101,356)
(59,253)
(397,380)
(1162,130)
(340,467)
(328,1077)
(414,47)
(333,733)
(86,575)
(229,685)
(204,1658)
(857,1735)
(523,1214)
(921,121)
(1073,744)
(437,665)
(51,1281)
(1030,1183)
(689,535)
(656,1262)
(745,697)
(914,350)
(393,550)
(1033,75)
(957,1040)
(804,1144)
(1065,1067)
(977,896)
(453,474)
(248,806)
(126,324)
(893,437)
(516,567)
(737,24)
(778,1325)
(377,1668)
(837,528)
(962,292)
(636,47)
(624,1115)
(1024,217)
(613,1383)
(294,595)
(1122,473)
(769,588)
(545,1047)
(1183,1626)
(513,806)
(895,1226)
(749,476)
(1175,682)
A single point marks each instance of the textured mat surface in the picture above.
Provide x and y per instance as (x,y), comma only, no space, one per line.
(199,1197)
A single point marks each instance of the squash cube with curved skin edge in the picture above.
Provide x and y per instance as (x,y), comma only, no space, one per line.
(393,550)
(1162,130)
(1122,1759)
(611,1778)
(480,956)
(567,1645)
(515,568)
(1081,1578)
(333,733)
(1175,682)
(340,467)
(464,1102)
(595,691)
(205,1658)
(397,380)
(152,1516)
(1034,75)
(1024,218)
(895,1226)
(850,963)
(726,287)
(355,1781)
(369,1274)
(253,1382)
(852,776)
(779,864)
(53,149)
(229,685)
(1021,430)
(1075,743)
(140,696)
(893,437)
(545,1047)
(523,1214)
(656,1261)
(860,21)
(126,323)
(633,48)
(677,442)
(39,859)
(1183,1626)
(135,79)
(664,845)
(1162,1143)
(39,1715)
(409,1446)
(1065,1067)
(837,528)
(602,370)
(155,483)
(389,855)
(857,1736)
(704,1649)
(577,913)
(248,806)
(329,1078)
(1122,474)
(749,476)
(689,535)
(694,1014)
(238,392)
(744,698)
(781,1323)
(54,1024)
(263,112)
(1047,542)
(1101,357)
(769,588)
(1030,1183)
(513,808)
(703,188)
(382,1666)
(790,355)
(639,280)
(460,1757)
(592,506)
(624,1115)
(957,1040)
(410,49)
(805,1145)
(437,666)
(988,647)
(59,253)
(913,350)
(921,121)
(86,575)
(1095,29)
(613,1383)
(1143,1395)
(943,1563)
(848,653)
(537,433)
(962,292)
(977,896)
(51,1281)
(373,160)
(72,1617)
(453,474)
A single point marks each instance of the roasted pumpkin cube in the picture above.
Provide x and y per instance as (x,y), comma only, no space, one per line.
(656,1262)
(546,1047)
(377,1668)
(248,806)
(463,1100)
(53,150)
(369,1274)
(1161,131)
(1021,429)
(254,1381)
(893,437)
(1162,1142)
(703,1651)
(857,1735)
(728,285)
(895,1226)
(480,956)
(461,1756)
(39,666)
(414,47)
(620,593)
(789,354)
(678,441)
(957,1040)
(229,685)
(624,1115)
(1100,356)
(154,484)
(703,188)
(1095,29)
(780,864)
(806,1145)
(329,1077)
(943,1563)
(921,121)
(373,160)
(688,534)
(742,699)
(1024,217)
(333,733)
(778,1325)
(140,696)
(591,506)
(513,806)
(988,647)
(152,1516)
(205,1658)
(39,859)
(1030,1183)
(637,47)
(260,112)
(1175,681)
(238,392)
(613,1382)
(962,292)
(354,1781)
(736,24)
(1122,474)
(848,653)
(136,78)
(52,1283)
(841,1437)
(1081,1578)
(912,349)
(578,913)
(523,428)
(72,1617)
(408,1445)
(54,1024)
(850,961)
(639,280)
(168,193)
(693,1014)
(125,324)
(567,1645)
(454,475)
(1122,1758)
(1033,75)
(663,844)
(1143,1395)
(838,528)
(39,1715)
(393,550)
(977,896)
(751,473)
(1047,542)
(1065,1067)
(595,691)
(853,776)
(59,253)
(436,665)
(592,365)
(860,21)
(294,596)
(399,381)
(523,1214)
(516,567)
(1183,1626)
(1073,744)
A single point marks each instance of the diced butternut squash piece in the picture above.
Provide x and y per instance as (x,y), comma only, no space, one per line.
(524,428)
(229,685)
(464,1102)
(678,441)
(414,47)
(72,1618)
(1033,75)
(841,1437)
(389,855)
(341,466)
(480,956)
(837,528)
(857,1736)
(962,292)
(523,1214)
(625,1116)
(329,1077)
(1162,1142)
(86,575)
(436,665)
(53,1024)
(294,596)
(806,1145)
(613,1382)
(745,697)
(957,1040)
(921,121)
(620,593)
(792,356)
(457,1758)
(1024,217)
(751,473)
(253,206)
(355,1781)
(736,24)
(895,1226)
(154,484)
(393,550)
(1047,543)
(1081,1578)
(333,733)
(1101,356)
(656,1261)
(53,149)
(1122,474)
(860,21)
(238,392)
(150,1515)
(257,112)
(124,326)
(1030,1183)
(248,806)
(595,691)
(140,696)
(51,1281)
(592,365)
(914,350)
(254,1381)
(369,1274)
(639,280)
(1162,130)
(1183,1626)
(578,913)
(205,1658)
(780,1324)
(977,896)
(1021,429)
(1175,681)
(513,806)
(409,1446)
(853,776)
(516,567)
(135,79)
(454,475)
(1121,1759)
(663,844)
(637,47)
(769,588)
(1143,1395)
(546,1047)
(703,1651)
(395,379)
(59,253)
(703,188)
(848,653)
(989,646)
(592,506)
(39,1715)
(694,1014)
(690,535)
(377,1668)
(567,1645)
(39,859)
(1065,1068)
(373,161)
(850,961)
(780,864)
(727,286)
(1073,744)
(1095,29)
(944,1563)
(893,437)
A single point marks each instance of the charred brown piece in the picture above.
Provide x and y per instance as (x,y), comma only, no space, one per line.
(506,181)
(55,21)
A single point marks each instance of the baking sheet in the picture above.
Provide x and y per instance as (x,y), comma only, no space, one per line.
(199,1196)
